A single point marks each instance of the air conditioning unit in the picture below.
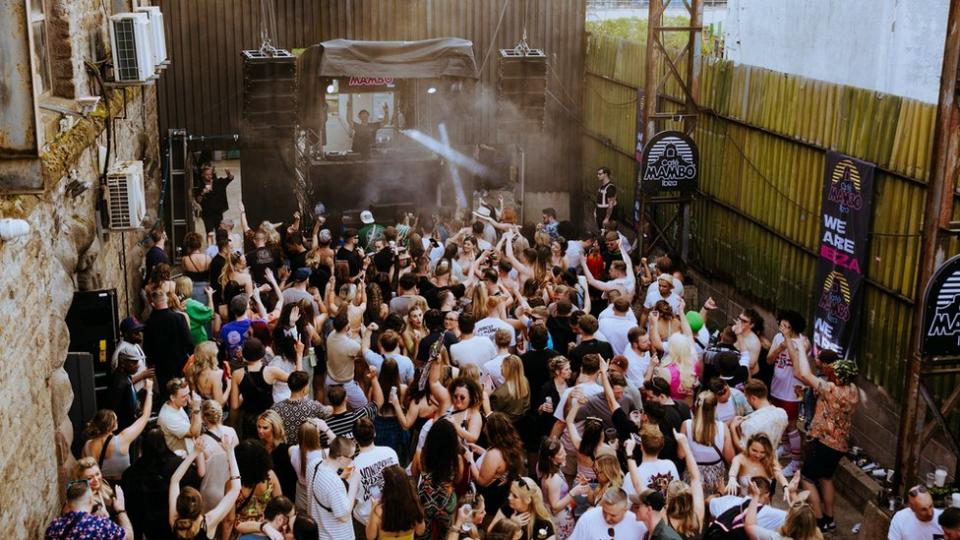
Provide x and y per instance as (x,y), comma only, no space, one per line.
(126,203)
(159,43)
(132,44)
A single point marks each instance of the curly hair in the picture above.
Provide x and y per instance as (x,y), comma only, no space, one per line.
(504,437)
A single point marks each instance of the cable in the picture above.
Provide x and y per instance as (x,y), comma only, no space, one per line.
(493,38)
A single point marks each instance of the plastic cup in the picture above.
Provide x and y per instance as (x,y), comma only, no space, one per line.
(931,479)
(940,477)
(955,500)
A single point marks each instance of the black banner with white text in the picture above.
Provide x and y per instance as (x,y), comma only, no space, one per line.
(844,226)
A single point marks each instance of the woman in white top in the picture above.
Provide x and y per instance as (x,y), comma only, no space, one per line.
(709,441)
(213,432)
(112,452)
(289,358)
(305,456)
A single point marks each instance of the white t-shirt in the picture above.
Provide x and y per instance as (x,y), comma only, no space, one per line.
(368,473)
(726,411)
(615,329)
(494,370)
(770,420)
(488,328)
(134,351)
(783,382)
(768,517)
(652,300)
(175,425)
(574,253)
(608,312)
(654,475)
(906,526)
(588,389)
(477,350)
(676,291)
(637,365)
(592,526)
(705,453)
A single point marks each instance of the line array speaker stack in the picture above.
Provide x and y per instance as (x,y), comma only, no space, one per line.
(270,189)
(521,92)
(94,331)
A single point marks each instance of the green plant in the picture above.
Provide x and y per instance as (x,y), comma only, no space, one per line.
(635,29)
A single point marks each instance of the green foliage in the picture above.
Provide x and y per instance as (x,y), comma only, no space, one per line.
(635,29)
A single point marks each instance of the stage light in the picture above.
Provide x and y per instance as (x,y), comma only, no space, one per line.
(331,89)
(432,90)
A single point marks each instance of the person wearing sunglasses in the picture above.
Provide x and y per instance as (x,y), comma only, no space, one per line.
(79,519)
(919,520)
(611,520)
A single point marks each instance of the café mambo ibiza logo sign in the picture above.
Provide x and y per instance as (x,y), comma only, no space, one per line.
(941,312)
(670,163)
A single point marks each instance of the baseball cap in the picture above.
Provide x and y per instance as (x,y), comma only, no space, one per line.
(667,278)
(131,324)
(301,274)
(325,236)
(728,362)
(366,217)
(320,209)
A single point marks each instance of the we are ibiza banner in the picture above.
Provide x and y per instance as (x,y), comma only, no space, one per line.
(844,222)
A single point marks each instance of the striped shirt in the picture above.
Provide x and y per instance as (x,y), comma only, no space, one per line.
(342,424)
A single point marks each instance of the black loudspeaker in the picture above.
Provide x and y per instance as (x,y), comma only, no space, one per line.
(79,368)
(267,131)
(521,92)
(94,329)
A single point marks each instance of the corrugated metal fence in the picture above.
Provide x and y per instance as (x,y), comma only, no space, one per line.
(763,137)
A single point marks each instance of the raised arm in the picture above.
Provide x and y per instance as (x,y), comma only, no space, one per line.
(220,511)
(696,481)
(572,423)
(612,402)
(594,282)
(801,362)
(174,492)
(130,434)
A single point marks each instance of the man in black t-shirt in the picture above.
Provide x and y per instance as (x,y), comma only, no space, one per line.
(262,257)
(217,264)
(588,326)
(606,205)
(348,253)
(157,253)
(364,132)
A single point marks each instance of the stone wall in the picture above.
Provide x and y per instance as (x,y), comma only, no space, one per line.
(62,253)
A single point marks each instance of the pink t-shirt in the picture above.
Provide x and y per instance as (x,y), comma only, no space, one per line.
(676,391)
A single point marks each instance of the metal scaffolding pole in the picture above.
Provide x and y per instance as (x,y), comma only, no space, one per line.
(945,165)
(659,68)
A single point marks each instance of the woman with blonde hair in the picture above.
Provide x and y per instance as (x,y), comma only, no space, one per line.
(709,440)
(757,459)
(213,432)
(800,523)
(680,368)
(271,433)
(206,378)
(199,315)
(608,474)
(525,506)
(235,269)
(87,469)
(414,331)
(186,514)
(115,458)
(512,398)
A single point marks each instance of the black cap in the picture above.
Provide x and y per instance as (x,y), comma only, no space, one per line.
(728,362)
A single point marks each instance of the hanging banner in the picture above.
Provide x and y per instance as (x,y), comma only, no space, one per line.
(941,312)
(670,163)
(844,221)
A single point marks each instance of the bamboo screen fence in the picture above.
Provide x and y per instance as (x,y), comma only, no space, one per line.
(763,137)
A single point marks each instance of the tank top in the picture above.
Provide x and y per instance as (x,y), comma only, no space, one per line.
(113,466)
(783,382)
(257,394)
(706,454)
(280,389)
(195,276)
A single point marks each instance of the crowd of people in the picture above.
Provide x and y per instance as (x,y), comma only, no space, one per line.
(456,376)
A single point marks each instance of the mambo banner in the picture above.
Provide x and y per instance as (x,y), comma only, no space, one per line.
(353,85)
(941,312)
(844,220)
(670,163)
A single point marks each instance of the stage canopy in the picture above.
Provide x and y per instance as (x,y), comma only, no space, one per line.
(424,59)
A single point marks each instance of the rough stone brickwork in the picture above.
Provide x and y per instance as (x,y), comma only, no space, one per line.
(40,272)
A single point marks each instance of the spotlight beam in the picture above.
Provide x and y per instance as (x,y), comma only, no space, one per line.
(454,171)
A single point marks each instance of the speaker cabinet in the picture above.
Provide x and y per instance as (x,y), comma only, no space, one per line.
(267,159)
(521,92)
(79,368)
(94,329)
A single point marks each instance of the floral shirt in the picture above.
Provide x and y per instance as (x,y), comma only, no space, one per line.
(833,419)
(83,526)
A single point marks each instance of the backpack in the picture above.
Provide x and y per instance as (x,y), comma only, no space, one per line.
(729,525)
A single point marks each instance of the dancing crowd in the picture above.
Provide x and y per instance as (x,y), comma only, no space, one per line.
(450,376)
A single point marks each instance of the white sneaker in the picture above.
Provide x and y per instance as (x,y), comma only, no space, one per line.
(791,468)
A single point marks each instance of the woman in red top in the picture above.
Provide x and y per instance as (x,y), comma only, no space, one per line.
(831,426)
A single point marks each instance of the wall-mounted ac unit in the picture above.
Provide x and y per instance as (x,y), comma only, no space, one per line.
(126,202)
(158,43)
(132,44)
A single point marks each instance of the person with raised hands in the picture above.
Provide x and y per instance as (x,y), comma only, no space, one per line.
(185,510)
